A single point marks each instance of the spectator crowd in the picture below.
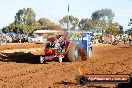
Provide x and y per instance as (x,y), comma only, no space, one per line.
(104,39)
(16,38)
(111,39)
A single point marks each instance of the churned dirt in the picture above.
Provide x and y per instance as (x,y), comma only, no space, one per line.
(23,70)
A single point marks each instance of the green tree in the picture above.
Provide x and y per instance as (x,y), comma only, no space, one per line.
(5,30)
(44,22)
(112,29)
(10,28)
(86,24)
(121,31)
(130,22)
(25,20)
(105,15)
(103,18)
(73,22)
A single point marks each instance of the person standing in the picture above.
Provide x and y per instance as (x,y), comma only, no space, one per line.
(125,39)
(103,38)
(129,39)
(117,37)
(112,39)
(0,40)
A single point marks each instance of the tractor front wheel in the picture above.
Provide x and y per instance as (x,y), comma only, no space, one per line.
(41,60)
(89,52)
(60,59)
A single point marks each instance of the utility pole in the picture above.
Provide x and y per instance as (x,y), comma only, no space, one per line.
(68,24)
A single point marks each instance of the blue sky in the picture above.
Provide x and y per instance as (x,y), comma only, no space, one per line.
(56,9)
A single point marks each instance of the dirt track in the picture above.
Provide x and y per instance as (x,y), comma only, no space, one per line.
(107,59)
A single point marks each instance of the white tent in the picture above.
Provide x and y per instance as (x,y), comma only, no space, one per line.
(45,31)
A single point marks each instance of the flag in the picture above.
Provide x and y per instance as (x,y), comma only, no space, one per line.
(68,8)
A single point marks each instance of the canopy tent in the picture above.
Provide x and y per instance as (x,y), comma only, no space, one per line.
(11,33)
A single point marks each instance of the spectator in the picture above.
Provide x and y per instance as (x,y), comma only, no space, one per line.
(125,39)
(129,39)
(52,44)
(117,39)
(0,41)
(103,38)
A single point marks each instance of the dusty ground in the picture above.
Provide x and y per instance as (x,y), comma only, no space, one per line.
(24,72)
(10,46)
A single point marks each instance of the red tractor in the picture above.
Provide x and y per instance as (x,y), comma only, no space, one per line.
(60,49)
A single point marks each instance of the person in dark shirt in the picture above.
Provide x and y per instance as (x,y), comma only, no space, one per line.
(52,44)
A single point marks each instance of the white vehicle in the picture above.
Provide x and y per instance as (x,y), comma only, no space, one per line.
(32,39)
(39,39)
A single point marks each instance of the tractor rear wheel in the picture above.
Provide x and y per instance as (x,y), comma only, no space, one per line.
(73,52)
(82,55)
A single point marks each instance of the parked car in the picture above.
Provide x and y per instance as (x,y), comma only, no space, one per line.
(31,39)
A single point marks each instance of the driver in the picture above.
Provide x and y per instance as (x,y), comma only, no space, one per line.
(62,44)
(52,44)
(59,43)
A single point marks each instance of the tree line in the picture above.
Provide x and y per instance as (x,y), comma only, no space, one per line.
(25,22)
